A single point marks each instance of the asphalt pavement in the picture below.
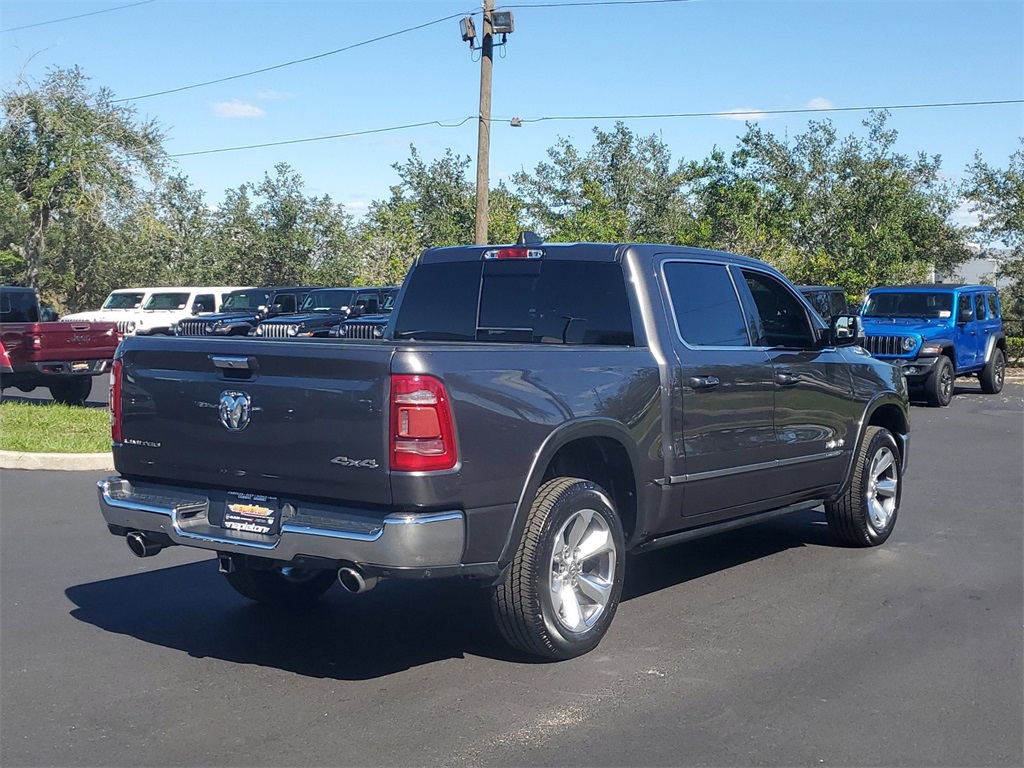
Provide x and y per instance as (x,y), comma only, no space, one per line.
(766,646)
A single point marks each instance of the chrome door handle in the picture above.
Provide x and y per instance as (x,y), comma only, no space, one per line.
(786,379)
(703,382)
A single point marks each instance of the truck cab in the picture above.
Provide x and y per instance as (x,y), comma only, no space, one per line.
(936,333)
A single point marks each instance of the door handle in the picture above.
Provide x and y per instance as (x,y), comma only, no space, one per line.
(786,379)
(703,382)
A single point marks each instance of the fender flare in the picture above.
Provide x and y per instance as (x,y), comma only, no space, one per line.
(993,342)
(882,398)
(557,439)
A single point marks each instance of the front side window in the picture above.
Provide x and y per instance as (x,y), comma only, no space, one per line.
(123,300)
(783,320)
(286,301)
(166,301)
(909,304)
(204,303)
(979,307)
(838,303)
(707,310)
(966,305)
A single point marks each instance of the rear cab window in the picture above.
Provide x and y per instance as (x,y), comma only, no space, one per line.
(546,301)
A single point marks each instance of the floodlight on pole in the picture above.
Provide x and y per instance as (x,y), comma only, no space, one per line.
(468,29)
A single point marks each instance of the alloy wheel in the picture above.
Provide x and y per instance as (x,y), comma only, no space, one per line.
(582,570)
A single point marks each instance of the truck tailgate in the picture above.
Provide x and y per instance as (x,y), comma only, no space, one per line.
(283,417)
(44,342)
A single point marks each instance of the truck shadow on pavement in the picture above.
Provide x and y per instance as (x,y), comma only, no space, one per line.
(395,627)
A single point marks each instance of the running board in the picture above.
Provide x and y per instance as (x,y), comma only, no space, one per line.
(727,525)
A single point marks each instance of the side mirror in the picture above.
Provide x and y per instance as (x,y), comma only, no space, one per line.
(965,315)
(355,311)
(846,331)
(276,309)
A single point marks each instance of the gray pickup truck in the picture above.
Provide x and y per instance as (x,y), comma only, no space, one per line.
(563,406)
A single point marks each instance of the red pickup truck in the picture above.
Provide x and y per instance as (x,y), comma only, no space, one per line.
(61,356)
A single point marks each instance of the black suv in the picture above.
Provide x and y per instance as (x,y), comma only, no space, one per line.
(243,310)
(323,309)
(367,326)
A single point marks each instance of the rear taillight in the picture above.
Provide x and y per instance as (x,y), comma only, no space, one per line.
(5,360)
(422,432)
(115,401)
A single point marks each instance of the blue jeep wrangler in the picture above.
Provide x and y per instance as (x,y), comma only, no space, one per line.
(935,333)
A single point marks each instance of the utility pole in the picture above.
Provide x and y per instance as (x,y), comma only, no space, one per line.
(483,147)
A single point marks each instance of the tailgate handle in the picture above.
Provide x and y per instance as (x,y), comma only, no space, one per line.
(235,363)
(79,327)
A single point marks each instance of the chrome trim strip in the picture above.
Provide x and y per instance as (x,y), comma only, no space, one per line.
(716,473)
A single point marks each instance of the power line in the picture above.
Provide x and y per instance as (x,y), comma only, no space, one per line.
(325,138)
(296,61)
(593,3)
(761,112)
(752,113)
(79,16)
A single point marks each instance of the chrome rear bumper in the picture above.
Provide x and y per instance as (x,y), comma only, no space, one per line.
(400,540)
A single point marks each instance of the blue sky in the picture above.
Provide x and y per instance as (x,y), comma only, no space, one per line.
(697,56)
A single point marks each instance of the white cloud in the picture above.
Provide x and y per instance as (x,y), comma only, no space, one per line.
(819,102)
(236,108)
(741,113)
(357,207)
(963,216)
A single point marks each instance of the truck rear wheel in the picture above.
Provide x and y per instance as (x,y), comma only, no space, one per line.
(278,585)
(563,588)
(993,374)
(865,515)
(938,389)
(72,391)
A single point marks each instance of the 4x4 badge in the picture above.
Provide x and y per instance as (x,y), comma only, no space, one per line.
(234,410)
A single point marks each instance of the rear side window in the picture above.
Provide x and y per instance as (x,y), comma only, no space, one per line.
(706,308)
(993,305)
(837,300)
(550,302)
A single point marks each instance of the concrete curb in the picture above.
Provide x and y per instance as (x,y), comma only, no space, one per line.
(59,461)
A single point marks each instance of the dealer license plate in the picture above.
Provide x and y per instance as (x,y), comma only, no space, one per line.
(252,513)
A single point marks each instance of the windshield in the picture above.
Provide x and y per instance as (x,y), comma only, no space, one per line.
(246,300)
(909,304)
(123,300)
(326,300)
(166,301)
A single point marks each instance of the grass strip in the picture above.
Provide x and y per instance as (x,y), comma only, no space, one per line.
(52,428)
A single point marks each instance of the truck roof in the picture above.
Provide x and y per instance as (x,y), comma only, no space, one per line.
(585,252)
(930,288)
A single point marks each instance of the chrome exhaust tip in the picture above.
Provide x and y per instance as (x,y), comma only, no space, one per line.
(354,581)
(140,545)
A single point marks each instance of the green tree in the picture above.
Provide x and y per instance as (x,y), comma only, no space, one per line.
(66,151)
(624,187)
(997,196)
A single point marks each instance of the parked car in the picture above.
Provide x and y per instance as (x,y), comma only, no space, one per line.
(935,333)
(166,306)
(828,301)
(323,309)
(243,310)
(60,356)
(120,306)
(563,406)
(367,326)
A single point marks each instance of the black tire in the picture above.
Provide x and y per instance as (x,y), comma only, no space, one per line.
(938,389)
(850,517)
(524,604)
(993,374)
(277,585)
(71,392)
